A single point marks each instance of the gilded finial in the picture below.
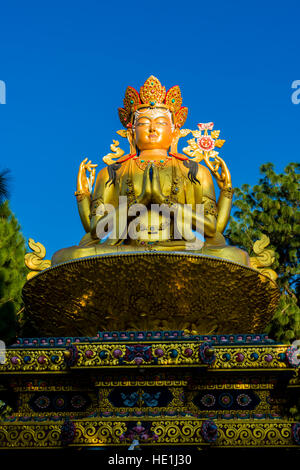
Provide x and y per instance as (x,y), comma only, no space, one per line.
(116,153)
(35,261)
(264,258)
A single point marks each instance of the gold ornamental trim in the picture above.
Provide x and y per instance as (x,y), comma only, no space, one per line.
(185,431)
(112,355)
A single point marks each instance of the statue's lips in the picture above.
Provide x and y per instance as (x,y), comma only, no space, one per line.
(153,136)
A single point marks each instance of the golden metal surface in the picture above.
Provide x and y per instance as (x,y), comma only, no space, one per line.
(107,432)
(260,362)
(255,434)
(24,436)
(116,152)
(264,258)
(181,359)
(153,119)
(90,356)
(35,261)
(153,94)
(149,291)
(41,360)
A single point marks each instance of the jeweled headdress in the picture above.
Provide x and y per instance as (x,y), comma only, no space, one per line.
(153,95)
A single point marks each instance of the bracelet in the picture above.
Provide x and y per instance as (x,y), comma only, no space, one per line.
(81,195)
(227,192)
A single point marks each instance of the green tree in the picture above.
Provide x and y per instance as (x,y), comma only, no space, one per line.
(3,185)
(271,207)
(12,272)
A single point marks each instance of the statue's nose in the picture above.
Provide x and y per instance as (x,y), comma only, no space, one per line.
(152,126)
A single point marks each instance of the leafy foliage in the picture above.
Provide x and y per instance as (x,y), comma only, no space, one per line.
(271,207)
(285,324)
(3,185)
(12,272)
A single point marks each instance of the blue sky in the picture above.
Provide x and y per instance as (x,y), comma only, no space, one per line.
(67,64)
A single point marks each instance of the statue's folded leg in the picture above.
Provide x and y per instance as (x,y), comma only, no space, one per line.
(70,253)
(231,253)
(220,250)
(77,251)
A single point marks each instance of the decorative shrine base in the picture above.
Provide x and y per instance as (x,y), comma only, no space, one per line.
(158,388)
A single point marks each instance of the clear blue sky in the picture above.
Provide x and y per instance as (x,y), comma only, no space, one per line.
(66,65)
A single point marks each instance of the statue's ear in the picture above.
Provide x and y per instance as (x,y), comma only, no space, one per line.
(131,140)
(175,138)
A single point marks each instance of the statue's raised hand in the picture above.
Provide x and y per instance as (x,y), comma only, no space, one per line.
(85,183)
(223,177)
(145,196)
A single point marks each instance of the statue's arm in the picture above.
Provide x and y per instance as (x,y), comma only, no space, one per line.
(205,194)
(83,193)
(88,202)
(223,179)
(104,195)
(84,209)
(224,207)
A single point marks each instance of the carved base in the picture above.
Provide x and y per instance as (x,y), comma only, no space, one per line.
(149,291)
(163,389)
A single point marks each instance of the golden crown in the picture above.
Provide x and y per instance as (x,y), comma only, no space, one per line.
(153,94)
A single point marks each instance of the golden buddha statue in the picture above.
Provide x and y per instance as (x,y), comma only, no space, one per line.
(153,257)
(155,175)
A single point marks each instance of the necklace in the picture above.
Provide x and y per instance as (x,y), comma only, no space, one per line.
(142,164)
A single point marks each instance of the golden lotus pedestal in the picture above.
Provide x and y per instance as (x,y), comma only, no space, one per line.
(149,291)
(113,368)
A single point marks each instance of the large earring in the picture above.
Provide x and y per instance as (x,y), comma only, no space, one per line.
(174,143)
(131,140)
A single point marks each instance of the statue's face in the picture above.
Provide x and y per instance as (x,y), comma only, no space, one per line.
(153,129)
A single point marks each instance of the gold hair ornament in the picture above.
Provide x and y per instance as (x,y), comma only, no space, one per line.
(153,95)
